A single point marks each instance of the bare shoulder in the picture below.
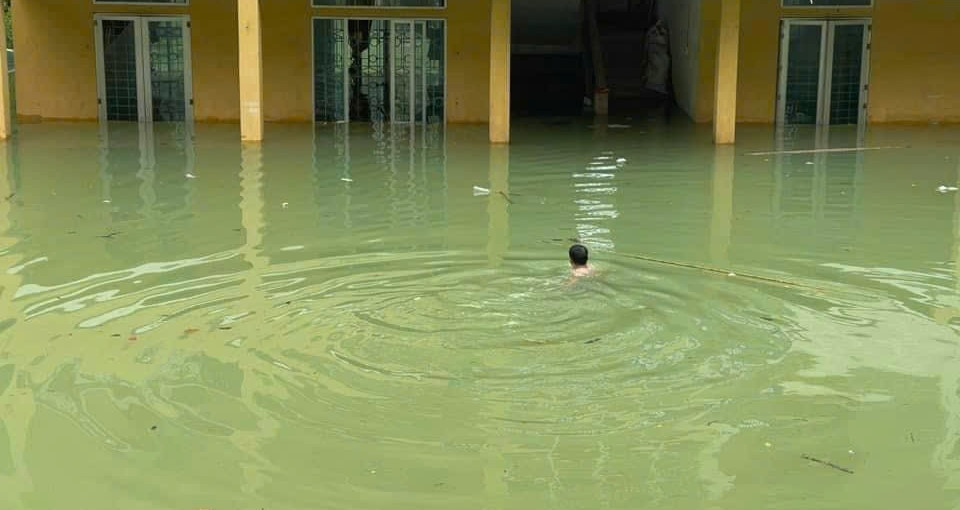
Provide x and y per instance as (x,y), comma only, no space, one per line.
(584,271)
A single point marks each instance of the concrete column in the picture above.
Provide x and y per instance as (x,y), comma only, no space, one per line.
(500,71)
(728,56)
(6,127)
(601,92)
(251,71)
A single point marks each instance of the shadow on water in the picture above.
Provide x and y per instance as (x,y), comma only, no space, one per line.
(363,316)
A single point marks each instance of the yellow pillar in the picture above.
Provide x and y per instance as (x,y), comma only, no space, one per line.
(728,55)
(500,71)
(251,71)
(6,128)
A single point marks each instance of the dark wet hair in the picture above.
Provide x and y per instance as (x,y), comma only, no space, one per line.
(578,254)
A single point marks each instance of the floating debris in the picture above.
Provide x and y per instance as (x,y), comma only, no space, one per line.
(944,189)
(346,179)
(621,161)
(817,151)
(191,176)
(595,340)
(827,463)
(478,191)
(285,205)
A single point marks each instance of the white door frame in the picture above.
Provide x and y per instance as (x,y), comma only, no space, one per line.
(827,38)
(141,26)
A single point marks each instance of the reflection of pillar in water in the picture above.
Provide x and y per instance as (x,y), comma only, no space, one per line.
(252,220)
(956,232)
(724,160)
(498,205)
(14,394)
(945,314)
(945,453)
(7,283)
(251,204)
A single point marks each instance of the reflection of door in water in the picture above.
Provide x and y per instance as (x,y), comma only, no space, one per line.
(823,72)
(379,70)
(143,69)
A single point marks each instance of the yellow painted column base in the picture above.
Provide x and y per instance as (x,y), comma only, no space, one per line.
(728,55)
(251,70)
(500,71)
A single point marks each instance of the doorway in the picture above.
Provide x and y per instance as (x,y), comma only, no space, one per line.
(824,72)
(144,69)
(378,70)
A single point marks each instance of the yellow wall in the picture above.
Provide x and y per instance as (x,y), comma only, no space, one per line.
(56,57)
(914,75)
(56,62)
(915,72)
(287,50)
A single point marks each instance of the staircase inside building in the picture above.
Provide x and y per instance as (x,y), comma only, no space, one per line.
(623,25)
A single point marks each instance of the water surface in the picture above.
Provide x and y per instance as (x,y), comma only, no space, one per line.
(337,320)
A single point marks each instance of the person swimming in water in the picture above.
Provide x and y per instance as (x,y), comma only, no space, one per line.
(578,261)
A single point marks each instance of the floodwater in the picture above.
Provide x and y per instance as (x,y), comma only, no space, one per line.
(337,320)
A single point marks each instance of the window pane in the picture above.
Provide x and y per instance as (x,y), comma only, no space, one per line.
(120,69)
(379,3)
(827,3)
(846,75)
(803,74)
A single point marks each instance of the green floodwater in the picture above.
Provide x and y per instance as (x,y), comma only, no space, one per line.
(336,321)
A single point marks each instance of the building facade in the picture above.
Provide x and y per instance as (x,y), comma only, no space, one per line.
(423,61)
(319,60)
(823,61)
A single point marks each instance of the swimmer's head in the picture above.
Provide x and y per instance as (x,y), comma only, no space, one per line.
(578,255)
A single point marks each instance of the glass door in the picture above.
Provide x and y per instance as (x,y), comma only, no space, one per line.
(823,72)
(379,70)
(167,69)
(846,82)
(119,72)
(143,69)
(403,91)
